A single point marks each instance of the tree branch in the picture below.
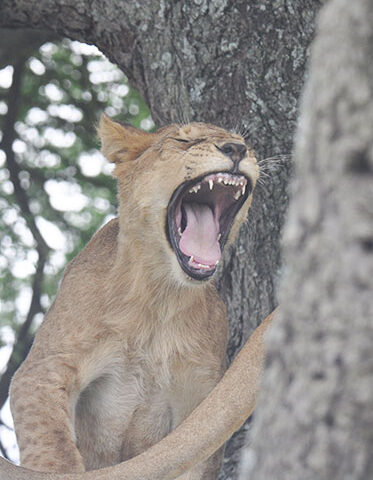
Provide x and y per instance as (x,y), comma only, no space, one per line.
(9,135)
(23,341)
(21,43)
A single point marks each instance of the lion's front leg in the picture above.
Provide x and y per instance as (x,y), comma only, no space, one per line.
(41,405)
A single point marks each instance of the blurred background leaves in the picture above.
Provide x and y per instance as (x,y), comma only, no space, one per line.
(56,189)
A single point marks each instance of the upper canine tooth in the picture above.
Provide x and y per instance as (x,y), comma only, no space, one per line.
(211,183)
(243,189)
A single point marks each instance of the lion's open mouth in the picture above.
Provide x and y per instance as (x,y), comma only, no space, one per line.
(199,218)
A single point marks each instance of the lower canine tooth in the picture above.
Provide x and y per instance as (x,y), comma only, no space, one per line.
(179,231)
(237,195)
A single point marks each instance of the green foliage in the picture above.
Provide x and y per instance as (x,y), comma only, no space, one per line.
(65,88)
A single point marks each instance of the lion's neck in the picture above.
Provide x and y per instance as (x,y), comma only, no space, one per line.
(139,295)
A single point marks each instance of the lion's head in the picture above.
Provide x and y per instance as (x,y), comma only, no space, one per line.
(184,191)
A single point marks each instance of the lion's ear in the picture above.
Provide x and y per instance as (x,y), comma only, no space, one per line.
(121,143)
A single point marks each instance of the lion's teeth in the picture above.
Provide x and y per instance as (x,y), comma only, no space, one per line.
(219,236)
(195,264)
(211,184)
(179,231)
(237,195)
(243,189)
(195,188)
(206,267)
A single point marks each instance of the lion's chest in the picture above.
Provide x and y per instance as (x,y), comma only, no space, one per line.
(105,411)
(141,391)
(133,405)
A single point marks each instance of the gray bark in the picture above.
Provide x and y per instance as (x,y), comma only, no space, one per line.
(236,64)
(315,417)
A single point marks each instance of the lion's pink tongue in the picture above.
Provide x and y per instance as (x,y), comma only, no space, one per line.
(200,237)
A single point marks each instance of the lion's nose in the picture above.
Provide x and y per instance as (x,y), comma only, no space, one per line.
(235,151)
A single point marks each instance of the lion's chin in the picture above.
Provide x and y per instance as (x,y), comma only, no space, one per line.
(200,215)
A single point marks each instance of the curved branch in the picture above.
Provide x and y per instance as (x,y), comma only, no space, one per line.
(21,43)
(198,437)
(80,21)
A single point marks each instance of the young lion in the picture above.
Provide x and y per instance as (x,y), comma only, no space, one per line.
(136,337)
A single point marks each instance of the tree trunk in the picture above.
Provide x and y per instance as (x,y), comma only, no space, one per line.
(315,418)
(237,64)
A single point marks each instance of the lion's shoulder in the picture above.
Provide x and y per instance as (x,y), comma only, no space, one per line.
(99,253)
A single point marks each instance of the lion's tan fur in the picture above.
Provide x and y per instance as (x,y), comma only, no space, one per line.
(131,345)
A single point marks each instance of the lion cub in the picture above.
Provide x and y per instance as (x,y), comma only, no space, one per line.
(136,337)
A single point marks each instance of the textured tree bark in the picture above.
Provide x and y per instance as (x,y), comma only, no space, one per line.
(315,420)
(238,64)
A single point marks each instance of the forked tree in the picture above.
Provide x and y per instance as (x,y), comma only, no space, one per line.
(242,64)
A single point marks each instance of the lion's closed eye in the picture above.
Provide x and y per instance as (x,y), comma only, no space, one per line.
(189,143)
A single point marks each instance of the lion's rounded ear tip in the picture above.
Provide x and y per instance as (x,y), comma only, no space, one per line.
(104,119)
(105,125)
